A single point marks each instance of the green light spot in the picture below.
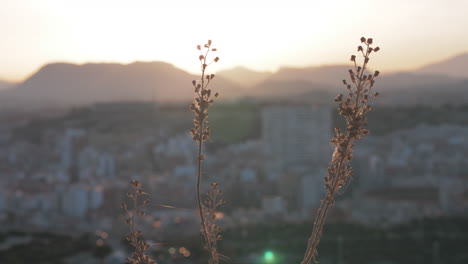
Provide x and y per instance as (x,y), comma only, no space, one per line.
(269,256)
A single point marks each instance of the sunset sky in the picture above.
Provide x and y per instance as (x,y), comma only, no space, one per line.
(262,35)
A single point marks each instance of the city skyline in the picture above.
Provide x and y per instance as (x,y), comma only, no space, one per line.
(259,35)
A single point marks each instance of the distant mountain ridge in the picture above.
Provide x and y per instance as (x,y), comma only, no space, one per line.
(6,85)
(319,83)
(65,84)
(244,76)
(71,84)
(456,66)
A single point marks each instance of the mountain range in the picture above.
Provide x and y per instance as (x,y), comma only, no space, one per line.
(65,84)
(5,85)
(456,66)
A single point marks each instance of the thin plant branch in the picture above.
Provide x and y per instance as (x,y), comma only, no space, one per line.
(200,133)
(354,110)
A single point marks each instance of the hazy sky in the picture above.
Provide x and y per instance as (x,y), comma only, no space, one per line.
(262,35)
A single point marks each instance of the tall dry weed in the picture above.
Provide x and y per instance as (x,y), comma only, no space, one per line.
(133,211)
(354,109)
(204,97)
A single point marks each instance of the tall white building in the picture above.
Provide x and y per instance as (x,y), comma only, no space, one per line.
(68,146)
(95,197)
(273,205)
(295,135)
(72,142)
(75,200)
(106,166)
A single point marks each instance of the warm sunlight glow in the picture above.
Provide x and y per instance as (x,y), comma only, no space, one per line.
(261,35)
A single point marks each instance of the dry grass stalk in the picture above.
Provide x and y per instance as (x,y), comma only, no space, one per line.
(214,199)
(135,236)
(354,109)
(200,133)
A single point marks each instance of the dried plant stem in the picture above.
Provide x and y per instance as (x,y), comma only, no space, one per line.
(199,176)
(322,212)
(135,237)
(354,110)
(201,132)
(214,199)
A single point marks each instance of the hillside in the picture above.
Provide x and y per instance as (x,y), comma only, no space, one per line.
(456,66)
(5,85)
(64,84)
(244,76)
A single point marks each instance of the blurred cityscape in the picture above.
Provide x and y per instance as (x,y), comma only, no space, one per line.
(66,172)
(96,94)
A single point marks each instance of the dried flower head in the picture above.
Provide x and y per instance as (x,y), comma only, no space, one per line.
(135,237)
(200,133)
(354,109)
(203,99)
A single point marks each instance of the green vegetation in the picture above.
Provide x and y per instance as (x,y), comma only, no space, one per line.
(230,122)
(45,248)
(409,243)
(385,120)
(235,122)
